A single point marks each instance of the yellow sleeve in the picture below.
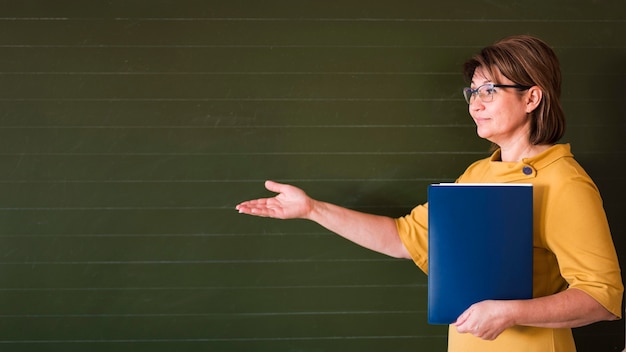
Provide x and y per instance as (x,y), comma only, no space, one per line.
(577,232)
(413,231)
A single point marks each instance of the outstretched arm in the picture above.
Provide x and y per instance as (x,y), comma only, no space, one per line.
(378,233)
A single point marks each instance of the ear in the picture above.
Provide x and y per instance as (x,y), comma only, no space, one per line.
(533,98)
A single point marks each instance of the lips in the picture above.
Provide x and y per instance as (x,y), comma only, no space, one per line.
(479,120)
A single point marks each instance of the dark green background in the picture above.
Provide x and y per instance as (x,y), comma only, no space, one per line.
(130,129)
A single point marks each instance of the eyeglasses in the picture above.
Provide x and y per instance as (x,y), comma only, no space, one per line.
(485,92)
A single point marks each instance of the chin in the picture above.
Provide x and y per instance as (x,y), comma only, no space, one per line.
(482,133)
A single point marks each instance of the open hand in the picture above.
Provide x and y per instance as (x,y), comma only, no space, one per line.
(291,202)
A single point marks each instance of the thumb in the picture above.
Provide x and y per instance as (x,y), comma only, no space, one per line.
(274,186)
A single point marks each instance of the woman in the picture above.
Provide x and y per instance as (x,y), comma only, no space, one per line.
(514,101)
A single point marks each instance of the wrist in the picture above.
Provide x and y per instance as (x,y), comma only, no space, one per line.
(512,310)
(313,210)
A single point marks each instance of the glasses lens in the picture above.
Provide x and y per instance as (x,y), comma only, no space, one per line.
(467,93)
(485,92)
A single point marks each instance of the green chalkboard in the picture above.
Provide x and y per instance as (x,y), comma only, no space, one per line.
(130,129)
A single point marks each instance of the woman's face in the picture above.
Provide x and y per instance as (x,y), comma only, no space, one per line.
(504,120)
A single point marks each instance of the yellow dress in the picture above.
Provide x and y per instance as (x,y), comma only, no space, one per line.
(572,243)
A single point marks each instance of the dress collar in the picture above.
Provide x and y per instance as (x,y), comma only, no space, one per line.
(526,168)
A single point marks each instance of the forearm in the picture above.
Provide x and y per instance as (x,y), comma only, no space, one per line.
(375,232)
(568,309)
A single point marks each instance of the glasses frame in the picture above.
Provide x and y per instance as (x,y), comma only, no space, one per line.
(468,92)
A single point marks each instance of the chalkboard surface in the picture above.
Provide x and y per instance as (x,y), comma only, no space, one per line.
(130,129)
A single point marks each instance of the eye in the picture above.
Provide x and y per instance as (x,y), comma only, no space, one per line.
(489,90)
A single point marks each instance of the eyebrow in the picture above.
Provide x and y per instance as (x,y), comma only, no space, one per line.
(487,81)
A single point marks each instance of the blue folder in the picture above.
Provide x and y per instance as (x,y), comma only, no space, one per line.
(480,246)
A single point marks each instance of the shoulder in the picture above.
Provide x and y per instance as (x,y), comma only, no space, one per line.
(478,170)
(566,173)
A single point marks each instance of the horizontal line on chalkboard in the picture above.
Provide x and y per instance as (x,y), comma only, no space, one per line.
(217,181)
(155,208)
(241,127)
(205,208)
(307,19)
(254,73)
(170,100)
(218,99)
(234,339)
(222,73)
(209,288)
(114,208)
(130,235)
(277,46)
(247,46)
(260,314)
(233,261)
(197,127)
(248,154)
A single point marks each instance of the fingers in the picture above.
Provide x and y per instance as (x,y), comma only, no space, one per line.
(256,207)
(466,328)
(462,326)
(479,322)
(287,204)
(466,325)
(474,328)
(259,207)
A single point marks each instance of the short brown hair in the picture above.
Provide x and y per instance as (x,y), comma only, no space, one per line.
(527,61)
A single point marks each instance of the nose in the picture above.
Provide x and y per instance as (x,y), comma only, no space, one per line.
(476,103)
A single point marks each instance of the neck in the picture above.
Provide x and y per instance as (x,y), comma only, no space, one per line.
(517,153)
